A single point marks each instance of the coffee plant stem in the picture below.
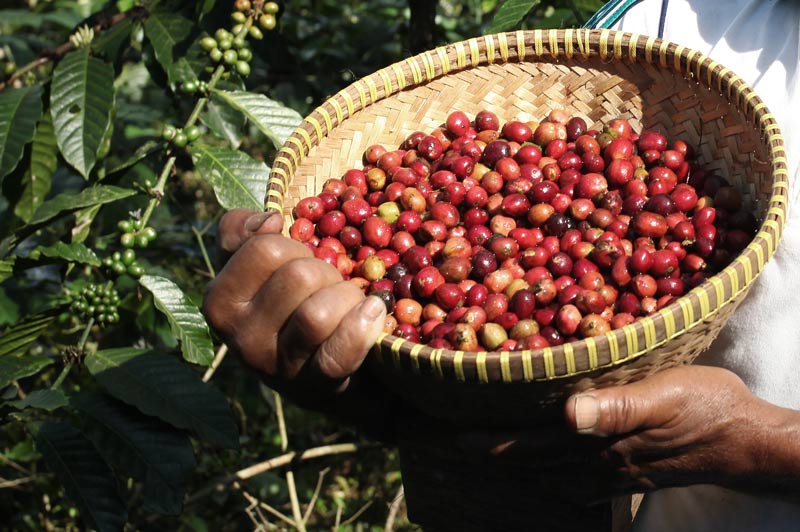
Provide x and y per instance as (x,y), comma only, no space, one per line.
(297,514)
(204,252)
(56,53)
(80,346)
(257,503)
(221,352)
(273,463)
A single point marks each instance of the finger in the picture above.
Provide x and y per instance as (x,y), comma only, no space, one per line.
(238,225)
(619,410)
(328,337)
(274,304)
(230,292)
(313,322)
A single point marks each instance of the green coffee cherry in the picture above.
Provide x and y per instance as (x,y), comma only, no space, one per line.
(118,268)
(150,233)
(256,33)
(267,21)
(230,57)
(189,87)
(245,54)
(238,16)
(237,29)
(243,68)
(208,43)
(168,132)
(215,55)
(225,44)
(127,240)
(222,34)
(128,257)
(239,43)
(271,7)
(242,5)
(180,140)
(135,270)
(142,241)
(138,224)
(126,226)
(192,132)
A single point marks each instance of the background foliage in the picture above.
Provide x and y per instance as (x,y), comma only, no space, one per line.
(122,141)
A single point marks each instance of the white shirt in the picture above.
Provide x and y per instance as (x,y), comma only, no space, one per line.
(760,41)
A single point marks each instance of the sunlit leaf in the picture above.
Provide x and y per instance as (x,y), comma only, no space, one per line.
(88,197)
(272,118)
(72,252)
(510,14)
(185,319)
(19,111)
(44,159)
(81,101)
(238,180)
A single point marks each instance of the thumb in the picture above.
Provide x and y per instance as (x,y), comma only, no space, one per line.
(238,225)
(615,411)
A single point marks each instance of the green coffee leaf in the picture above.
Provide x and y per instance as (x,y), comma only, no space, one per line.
(19,111)
(6,269)
(87,479)
(17,339)
(160,385)
(273,119)
(109,41)
(185,319)
(81,101)
(141,447)
(9,309)
(45,399)
(510,14)
(19,366)
(44,159)
(224,121)
(88,197)
(238,180)
(74,252)
(165,31)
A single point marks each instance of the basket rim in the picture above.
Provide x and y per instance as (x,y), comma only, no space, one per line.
(625,343)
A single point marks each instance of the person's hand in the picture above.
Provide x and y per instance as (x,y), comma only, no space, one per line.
(293,318)
(682,426)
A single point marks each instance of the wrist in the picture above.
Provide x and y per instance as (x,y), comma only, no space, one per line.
(769,451)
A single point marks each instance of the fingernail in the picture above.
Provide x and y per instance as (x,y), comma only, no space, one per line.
(257,220)
(587,413)
(372,307)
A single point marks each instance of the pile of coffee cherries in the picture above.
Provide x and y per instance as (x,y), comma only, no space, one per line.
(488,236)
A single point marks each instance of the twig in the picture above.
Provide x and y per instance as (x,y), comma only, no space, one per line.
(16,482)
(221,352)
(256,503)
(12,464)
(272,463)
(290,484)
(315,495)
(338,521)
(356,515)
(80,346)
(63,49)
(393,509)
(199,236)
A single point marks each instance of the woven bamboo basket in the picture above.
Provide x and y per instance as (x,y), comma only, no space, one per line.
(595,74)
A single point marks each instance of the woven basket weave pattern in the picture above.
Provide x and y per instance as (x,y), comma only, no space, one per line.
(598,75)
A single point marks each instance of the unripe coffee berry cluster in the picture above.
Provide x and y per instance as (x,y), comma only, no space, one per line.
(180,137)
(120,263)
(95,301)
(486,236)
(134,235)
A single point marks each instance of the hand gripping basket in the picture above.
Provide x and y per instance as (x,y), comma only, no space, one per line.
(596,74)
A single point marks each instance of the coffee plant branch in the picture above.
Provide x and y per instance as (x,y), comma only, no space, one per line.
(61,50)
